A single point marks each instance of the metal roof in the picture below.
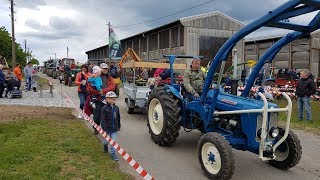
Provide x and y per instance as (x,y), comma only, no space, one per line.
(264,37)
(184,19)
(204,15)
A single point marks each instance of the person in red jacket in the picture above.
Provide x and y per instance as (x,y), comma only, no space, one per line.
(108,84)
(81,81)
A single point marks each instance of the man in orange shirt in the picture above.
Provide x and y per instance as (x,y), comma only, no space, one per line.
(17,72)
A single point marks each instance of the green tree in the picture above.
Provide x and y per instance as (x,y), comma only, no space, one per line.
(6,48)
(34,61)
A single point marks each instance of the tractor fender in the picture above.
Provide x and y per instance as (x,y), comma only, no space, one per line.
(174,91)
(198,107)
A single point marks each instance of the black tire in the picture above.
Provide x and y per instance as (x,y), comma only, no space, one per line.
(171,113)
(54,75)
(9,95)
(50,73)
(69,82)
(290,149)
(65,81)
(129,110)
(223,170)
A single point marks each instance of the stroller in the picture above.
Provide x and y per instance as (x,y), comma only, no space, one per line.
(12,89)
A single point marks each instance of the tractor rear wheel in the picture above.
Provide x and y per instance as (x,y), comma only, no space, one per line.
(215,156)
(288,154)
(164,116)
(69,82)
(54,75)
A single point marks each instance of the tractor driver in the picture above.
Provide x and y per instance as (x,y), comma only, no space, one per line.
(193,79)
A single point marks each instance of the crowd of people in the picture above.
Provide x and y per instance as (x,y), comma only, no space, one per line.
(13,79)
(96,89)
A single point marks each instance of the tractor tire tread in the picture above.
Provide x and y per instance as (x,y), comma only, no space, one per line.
(171,114)
(225,150)
(294,156)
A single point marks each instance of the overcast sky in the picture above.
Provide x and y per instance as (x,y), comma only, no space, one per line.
(50,26)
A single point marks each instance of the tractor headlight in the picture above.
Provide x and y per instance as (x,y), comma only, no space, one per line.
(274,132)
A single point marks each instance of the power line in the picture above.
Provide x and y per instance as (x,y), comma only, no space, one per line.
(164,16)
(178,12)
(96,39)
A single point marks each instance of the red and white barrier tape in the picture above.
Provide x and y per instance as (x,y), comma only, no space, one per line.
(143,173)
(278,91)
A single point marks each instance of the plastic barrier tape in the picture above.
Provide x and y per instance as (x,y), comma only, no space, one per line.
(143,173)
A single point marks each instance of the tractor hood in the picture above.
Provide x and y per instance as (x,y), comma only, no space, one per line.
(229,102)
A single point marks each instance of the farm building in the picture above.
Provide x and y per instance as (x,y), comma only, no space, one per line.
(202,35)
(302,53)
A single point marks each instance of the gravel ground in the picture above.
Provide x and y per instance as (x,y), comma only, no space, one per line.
(31,98)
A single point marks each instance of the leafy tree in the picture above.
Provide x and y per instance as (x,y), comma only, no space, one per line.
(6,48)
(34,61)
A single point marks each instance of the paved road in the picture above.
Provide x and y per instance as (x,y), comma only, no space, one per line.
(180,161)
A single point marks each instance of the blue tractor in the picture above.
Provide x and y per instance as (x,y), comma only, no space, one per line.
(228,121)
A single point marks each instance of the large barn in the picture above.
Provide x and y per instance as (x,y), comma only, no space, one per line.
(302,53)
(202,35)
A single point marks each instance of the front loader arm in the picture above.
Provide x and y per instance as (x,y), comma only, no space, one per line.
(273,18)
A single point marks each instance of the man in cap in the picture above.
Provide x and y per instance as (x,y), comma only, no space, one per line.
(107,85)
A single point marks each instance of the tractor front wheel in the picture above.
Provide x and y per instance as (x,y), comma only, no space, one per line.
(65,80)
(9,95)
(288,154)
(215,156)
(164,116)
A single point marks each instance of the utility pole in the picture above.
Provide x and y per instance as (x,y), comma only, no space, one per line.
(28,59)
(109,26)
(55,55)
(25,49)
(67,52)
(13,36)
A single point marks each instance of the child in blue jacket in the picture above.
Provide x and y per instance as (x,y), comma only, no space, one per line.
(110,121)
(95,79)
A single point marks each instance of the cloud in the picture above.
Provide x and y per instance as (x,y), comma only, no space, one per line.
(30,4)
(60,23)
(58,28)
(34,24)
(48,36)
(51,26)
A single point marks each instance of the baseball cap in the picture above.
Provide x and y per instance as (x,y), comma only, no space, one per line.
(104,66)
(111,94)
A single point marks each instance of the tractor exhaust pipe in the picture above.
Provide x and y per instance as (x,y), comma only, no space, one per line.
(234,86)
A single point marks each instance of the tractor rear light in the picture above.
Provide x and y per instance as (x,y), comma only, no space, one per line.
(274,132)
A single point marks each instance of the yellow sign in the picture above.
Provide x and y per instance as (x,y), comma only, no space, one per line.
(251,62)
